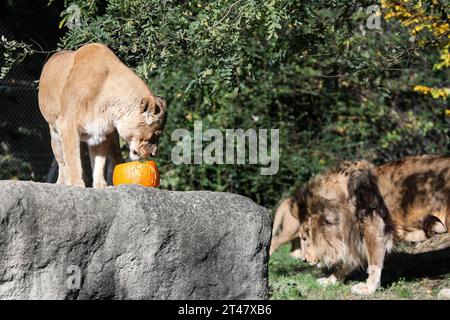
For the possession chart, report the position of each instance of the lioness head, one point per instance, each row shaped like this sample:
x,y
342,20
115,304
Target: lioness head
x,y
143,127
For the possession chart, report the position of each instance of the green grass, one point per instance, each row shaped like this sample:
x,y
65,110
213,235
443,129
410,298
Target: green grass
x,y
405,276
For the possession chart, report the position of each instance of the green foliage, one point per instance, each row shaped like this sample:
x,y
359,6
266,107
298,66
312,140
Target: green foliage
x,y
309,68
11,52
12,167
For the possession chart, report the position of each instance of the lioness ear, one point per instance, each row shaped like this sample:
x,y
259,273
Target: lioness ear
x,y
147,104
155,105
365,194
160,105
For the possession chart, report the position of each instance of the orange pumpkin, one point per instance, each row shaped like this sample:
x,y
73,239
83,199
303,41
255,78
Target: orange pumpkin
x,y
143,173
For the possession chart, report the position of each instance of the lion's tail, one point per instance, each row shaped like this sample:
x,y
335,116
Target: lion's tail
x,y
282,209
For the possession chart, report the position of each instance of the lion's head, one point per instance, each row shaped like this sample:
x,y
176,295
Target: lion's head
x,y
323,228
331,210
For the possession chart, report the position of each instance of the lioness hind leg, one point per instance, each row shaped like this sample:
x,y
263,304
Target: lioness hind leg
x,y
433,225
98,155
445,218
289,230
58,153
279,240
287,234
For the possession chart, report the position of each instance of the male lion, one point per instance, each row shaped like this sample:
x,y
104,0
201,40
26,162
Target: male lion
x,y
90,95
353,215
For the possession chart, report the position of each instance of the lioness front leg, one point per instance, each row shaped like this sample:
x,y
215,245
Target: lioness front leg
x,y
98,155
70,141
375,244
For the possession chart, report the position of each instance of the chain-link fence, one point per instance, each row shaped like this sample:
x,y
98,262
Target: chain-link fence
x,y
25,151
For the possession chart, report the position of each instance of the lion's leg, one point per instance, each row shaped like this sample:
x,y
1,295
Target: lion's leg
x,y
57,151
296,251
338,275
70,139
374,242
98,156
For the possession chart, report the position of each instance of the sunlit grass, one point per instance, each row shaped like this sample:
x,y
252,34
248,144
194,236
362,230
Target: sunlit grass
x,y
291,279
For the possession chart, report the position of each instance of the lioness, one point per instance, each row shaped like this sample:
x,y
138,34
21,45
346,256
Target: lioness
x,y
89,95
355,214
285,229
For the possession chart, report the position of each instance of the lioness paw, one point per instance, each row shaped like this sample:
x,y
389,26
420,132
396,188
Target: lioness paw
x,y
327,281
99,184
77,183
362,289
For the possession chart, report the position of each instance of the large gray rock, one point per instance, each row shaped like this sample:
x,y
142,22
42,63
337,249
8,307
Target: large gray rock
x,y
130,242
